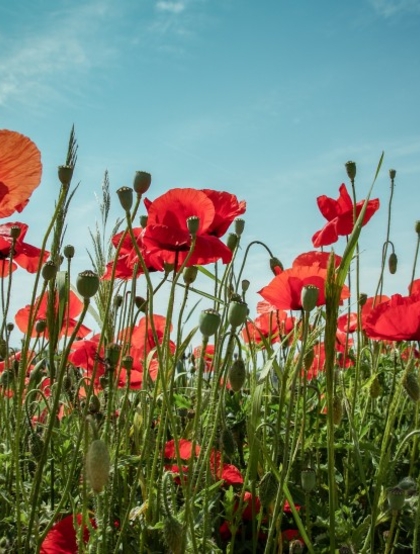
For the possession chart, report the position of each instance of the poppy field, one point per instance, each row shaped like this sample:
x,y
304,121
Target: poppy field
x,y
198,428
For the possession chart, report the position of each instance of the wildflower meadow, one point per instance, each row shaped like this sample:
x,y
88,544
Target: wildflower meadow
x,y
194,428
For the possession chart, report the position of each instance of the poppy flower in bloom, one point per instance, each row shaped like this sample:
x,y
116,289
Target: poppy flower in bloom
x,y
284,291
339,214
397,319
167,236
368,306
20,171
62,538
316,257
128,258
74,309
347,323
25,255
185,449
207,357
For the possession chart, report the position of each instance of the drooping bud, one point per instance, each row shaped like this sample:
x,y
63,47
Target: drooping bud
x,y
142,181
49,270
237,313
276,266
10,326
245,285
209,322
309,297
417,227
351,170
392,173
125,195
140,303
68,251
308,479
190,274
237,375
239,226
392,263
396,498
193,224
362,299
87,283
232,241
65,174
143,221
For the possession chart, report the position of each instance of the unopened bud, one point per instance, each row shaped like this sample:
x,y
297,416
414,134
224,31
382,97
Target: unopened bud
x,y
237,313
417,227
190,274
245,285
239,226
276,266
362,298
392,263
309,297
143,221
232,241
351,170
392,173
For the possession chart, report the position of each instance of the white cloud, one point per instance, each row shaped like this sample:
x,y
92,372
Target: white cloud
x,y
172,7
389,8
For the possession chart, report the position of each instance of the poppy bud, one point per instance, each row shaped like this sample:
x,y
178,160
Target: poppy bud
x,y
337,410
239,226
65,174
237,313
392,263
308,479
375,388
362,298
143,221
112,354
227,442
309,297
268,489
15,231
417,227
141,182
172,533
392,173
245,285
127,362
117,301
351,170
209,322
49,271
40,326
237,375
410,382
193,224
7,378
190,274
94,404
36,446
140,303
87,283
69,251
10,326
396,498
98,464
232,241
125,195
276,266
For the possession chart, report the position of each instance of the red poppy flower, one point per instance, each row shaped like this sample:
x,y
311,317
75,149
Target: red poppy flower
x,y
167,237
128,259
20,171
208,356
185,449
143,337
74,309
347,323
415,287
397,319
339,214
370,303
62,538
25,255
284,291
316,257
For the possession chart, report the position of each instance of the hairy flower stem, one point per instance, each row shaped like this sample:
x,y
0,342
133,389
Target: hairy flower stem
x,y
246,255
379,288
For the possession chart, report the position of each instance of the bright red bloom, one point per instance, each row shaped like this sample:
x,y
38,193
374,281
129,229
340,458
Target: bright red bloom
x,y
415,287
316,257
347,323
367,307
185,449
74,309
167,237
396,320
339,214
269,326
208,356
62,538
284,291
25,255
20,171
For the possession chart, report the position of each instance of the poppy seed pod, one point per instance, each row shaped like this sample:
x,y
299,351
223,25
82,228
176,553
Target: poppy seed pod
x,y
362,298
65,174
392,263
237,375
10,326
232,241
308,479
237,313
276,266
239,226
417,227
392,173
209,322
127,362
87,283
15,231
351,170
49,271
140,303
193,224
309,297
142,181
68,251
112,353
190,274
125,196
143,221
245,285
396,498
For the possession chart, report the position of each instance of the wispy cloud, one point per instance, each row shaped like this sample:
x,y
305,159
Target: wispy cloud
x,y
51,54
389,8
172,7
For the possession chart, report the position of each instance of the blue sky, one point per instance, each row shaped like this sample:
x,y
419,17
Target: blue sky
x,y
264,99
